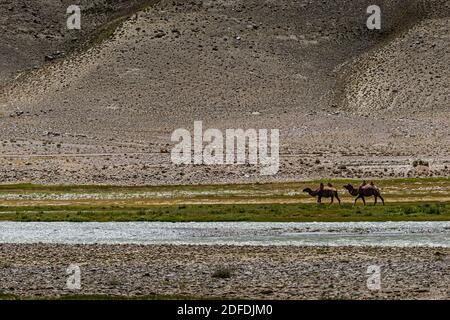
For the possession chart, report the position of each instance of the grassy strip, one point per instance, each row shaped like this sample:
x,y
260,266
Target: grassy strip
x,y
419,200
232,212
106,31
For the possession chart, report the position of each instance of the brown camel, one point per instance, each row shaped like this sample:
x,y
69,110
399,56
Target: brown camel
x,y
365,190
323,192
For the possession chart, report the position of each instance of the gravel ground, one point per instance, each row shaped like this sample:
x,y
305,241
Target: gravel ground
x,y
256,272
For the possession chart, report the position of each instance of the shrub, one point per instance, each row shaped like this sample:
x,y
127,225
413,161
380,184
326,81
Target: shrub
x,y
419,162
408,210
434,209
222,273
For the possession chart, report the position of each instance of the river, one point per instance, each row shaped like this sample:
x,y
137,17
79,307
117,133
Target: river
x,y
398,234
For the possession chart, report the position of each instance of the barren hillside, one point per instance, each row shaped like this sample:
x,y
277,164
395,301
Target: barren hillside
x,y
349,102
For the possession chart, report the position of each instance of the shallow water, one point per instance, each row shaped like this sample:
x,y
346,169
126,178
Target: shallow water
x,y
436,234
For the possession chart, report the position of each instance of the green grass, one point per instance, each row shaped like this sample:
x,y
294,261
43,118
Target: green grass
x,y
233,212
406,199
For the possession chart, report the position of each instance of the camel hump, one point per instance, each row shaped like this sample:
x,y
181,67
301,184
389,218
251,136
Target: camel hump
x,y
370,185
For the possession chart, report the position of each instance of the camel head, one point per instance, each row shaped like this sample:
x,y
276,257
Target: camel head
x,y
349,187
307,190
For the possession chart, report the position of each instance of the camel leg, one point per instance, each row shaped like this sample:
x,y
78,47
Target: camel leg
x,y
319,199
332,200
382,200
337,197
375,202
363,199
356,200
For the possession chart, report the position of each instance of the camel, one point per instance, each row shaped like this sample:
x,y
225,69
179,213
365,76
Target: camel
x,y
323,192
365,190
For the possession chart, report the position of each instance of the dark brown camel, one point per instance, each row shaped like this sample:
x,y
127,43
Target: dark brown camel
x,y
323,192
365,190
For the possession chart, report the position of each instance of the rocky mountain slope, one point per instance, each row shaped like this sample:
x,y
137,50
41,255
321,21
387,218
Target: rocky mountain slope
x,y
349,102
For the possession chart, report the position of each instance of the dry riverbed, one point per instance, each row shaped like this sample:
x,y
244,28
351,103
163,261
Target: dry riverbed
x,y
39,270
